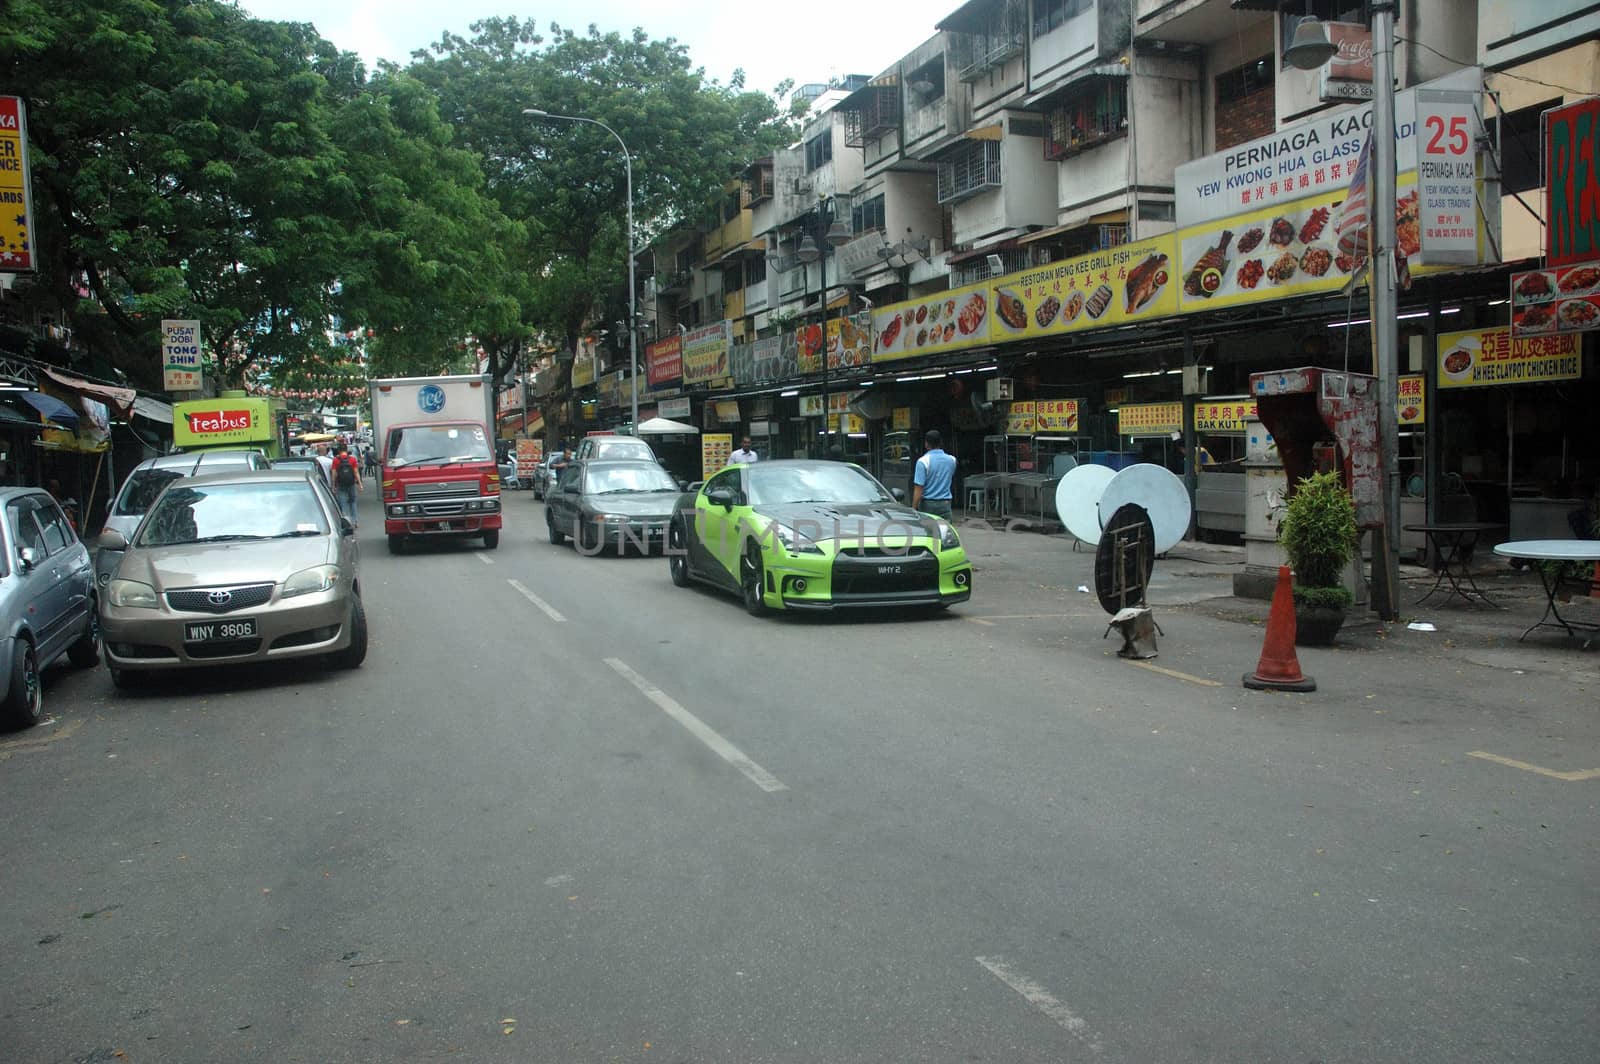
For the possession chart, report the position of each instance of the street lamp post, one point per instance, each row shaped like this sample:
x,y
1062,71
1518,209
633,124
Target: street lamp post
x,y
820,227
633,293
1309,51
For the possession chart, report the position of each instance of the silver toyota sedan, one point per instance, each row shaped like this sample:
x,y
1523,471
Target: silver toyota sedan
x,y
235,567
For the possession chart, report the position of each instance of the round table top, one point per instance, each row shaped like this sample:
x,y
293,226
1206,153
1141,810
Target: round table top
x,y
1552,550
1455,526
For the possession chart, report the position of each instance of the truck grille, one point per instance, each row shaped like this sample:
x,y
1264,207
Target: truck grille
x,y
219,599
443,489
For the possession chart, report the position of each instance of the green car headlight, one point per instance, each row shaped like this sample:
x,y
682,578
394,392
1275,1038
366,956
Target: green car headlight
x,y
948,540
132,594
794,542
310,581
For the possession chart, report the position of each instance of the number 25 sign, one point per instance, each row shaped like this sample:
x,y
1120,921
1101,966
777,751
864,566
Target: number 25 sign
x,y
1448,128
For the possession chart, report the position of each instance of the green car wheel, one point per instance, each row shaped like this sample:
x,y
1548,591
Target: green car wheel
x,y
752,576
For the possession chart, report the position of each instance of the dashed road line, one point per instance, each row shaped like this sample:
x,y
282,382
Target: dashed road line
x,y
549,610
1511,762
1043,1000
482,557
1175,674
699,729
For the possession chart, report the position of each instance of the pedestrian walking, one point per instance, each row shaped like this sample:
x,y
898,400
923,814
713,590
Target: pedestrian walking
x,y
346,483
325,462
745,454
934,476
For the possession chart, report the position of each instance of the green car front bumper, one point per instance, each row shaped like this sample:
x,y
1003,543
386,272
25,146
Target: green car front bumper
x,y
850,577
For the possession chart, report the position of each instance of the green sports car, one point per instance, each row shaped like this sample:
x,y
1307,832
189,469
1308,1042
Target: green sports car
x,y
813,535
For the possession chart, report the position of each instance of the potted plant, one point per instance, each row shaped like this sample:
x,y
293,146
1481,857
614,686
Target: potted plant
x,y
1318,533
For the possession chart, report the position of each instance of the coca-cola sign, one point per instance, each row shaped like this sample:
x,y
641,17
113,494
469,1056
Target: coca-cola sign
x,y
208,422
1354,61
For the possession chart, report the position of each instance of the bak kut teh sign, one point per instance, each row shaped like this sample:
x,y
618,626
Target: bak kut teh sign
x,y
1572,187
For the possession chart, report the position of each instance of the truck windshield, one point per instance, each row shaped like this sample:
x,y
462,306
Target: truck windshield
x,y
419,444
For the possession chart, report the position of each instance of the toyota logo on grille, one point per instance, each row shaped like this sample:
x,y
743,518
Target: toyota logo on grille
x,y
219,598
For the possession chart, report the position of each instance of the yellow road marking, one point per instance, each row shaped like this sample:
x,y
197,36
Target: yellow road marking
x,y
32,743
1511,762
1175,674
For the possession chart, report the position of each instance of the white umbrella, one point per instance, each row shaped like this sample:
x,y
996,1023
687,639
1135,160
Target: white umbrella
x,y
660,426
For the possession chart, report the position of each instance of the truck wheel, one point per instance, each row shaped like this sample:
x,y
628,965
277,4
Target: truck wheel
x,y
397,543
491,538
557,537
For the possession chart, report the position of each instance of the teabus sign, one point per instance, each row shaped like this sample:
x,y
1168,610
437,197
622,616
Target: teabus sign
x,y
211,422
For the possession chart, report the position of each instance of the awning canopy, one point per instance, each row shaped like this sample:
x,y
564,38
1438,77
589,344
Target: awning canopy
x,y
660,426
1070,84
153,410
120,400
51,408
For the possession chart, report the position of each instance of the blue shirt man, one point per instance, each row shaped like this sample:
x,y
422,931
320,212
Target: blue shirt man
x,y
935,473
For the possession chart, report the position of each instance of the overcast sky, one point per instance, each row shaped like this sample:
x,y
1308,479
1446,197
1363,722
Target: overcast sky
x,y
772,41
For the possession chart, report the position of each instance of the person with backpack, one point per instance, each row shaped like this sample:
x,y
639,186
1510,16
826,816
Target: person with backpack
x,y
346,483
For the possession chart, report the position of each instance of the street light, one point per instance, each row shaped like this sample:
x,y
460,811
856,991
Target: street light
x,y
633,295
821,226
1309,51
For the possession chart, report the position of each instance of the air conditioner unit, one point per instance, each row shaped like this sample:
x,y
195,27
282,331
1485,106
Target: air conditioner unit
x,y
1000,390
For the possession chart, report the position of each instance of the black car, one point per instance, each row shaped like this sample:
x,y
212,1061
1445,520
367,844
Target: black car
x,y
620,504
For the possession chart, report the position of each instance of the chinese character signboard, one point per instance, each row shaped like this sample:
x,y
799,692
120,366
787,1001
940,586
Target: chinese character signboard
x,y
1149,419
811,405
180,355
1482,357
664,361
1019,418
16,205
583,369
848,345
1056,415
1127,283
1572,183
715,450
1411,410
673,409
1556,301
900,419
1448,130
954,320
1223,415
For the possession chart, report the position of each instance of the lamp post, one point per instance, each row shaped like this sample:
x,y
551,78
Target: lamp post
x,y
821,226
633,293
1311,49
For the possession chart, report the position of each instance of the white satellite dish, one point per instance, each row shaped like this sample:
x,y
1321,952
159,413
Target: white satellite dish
x,y
1159,491
1078,501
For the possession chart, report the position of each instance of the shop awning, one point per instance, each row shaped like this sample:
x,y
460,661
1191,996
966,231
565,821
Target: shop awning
x,y
988,249
989,132
152,410
51,408
120,400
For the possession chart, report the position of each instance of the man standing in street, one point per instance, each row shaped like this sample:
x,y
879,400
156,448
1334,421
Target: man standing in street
x,y
935,473
346,483
745,454
325,462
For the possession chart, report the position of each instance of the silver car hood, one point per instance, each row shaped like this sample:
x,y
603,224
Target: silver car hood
x,y
226,564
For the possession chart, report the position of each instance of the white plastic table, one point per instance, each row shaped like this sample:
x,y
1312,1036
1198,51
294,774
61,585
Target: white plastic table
x,y
1555,550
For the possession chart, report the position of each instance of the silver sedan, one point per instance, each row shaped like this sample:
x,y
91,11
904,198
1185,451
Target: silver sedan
x,y
232,568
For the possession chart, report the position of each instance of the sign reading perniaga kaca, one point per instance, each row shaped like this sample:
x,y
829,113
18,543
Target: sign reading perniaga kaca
x,y
1448,131
1572,182
217,422
16,203
180,355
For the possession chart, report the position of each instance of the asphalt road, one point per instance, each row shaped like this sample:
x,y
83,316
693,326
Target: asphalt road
x,y
568,812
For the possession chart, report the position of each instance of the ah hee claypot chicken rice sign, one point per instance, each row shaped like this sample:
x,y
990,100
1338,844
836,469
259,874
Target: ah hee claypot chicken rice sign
x,y
1483,357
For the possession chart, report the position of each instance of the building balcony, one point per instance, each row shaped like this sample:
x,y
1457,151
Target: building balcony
x,y
972,168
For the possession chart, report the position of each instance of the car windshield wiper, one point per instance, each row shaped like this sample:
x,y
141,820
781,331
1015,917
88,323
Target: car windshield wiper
x,y
418,461
298,532
230,537
468,458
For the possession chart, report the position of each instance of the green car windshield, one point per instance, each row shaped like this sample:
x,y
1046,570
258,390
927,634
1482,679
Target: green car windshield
x,y
219,513
835,482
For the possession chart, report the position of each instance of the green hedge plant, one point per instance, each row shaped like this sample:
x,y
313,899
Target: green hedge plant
x,y
1318,533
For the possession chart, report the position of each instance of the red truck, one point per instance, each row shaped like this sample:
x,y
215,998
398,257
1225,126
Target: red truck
x,y
435,444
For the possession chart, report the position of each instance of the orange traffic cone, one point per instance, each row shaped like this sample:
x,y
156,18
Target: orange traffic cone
x,y
1279,669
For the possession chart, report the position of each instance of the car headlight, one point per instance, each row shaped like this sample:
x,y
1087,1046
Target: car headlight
x,y
132,594
948,540
794,542
606,519
310,581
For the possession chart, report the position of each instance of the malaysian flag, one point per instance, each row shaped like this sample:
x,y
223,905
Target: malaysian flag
x,y
1353,217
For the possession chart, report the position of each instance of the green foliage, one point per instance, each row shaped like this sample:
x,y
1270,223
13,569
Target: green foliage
x,y
1318,531
1336,598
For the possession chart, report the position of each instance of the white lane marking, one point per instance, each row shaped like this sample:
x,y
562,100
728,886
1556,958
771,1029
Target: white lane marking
x,y
484,558
1043,1000
699,729
549,610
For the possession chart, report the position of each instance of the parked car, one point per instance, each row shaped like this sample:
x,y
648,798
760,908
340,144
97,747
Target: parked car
x,y
612,448
612,504
812,535
306,463
542,475
47,600
508,474
146,482
231,568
